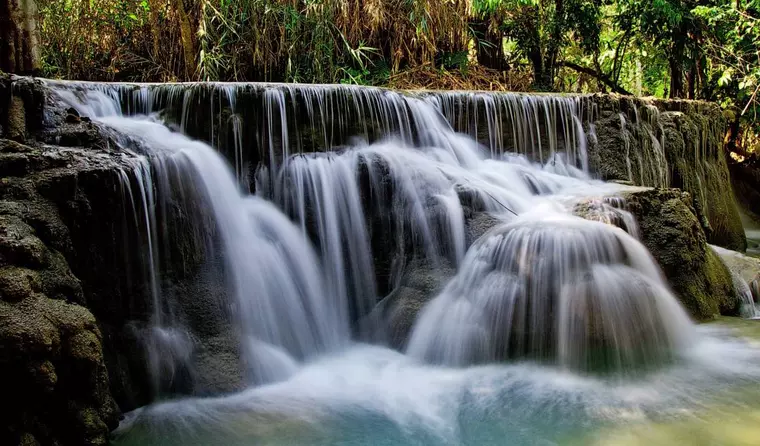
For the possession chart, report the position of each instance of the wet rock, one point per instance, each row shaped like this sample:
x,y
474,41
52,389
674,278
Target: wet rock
x,y
17,283
672,233
51,358
72,116
745,267
19,245
16,127
479,224
669,143
422,281
218,368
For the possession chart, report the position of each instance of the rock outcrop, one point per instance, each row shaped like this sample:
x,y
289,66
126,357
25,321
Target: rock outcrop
x,y
53,374
669,143
670,229
75,299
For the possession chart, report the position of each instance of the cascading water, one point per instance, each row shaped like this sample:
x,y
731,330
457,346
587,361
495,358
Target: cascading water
x,y
558,288
302,259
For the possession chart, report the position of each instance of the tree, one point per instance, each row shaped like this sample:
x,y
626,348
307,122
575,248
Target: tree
x,y
542,29
19,38
671,27
732,46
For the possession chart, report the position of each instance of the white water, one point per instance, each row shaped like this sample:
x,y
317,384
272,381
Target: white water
x,y
542,287
558,288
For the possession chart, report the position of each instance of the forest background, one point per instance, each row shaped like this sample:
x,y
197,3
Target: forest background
x,y
695,49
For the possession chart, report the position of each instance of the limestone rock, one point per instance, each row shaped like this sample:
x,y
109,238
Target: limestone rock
x,y
669,143
672,233
421,283
18,283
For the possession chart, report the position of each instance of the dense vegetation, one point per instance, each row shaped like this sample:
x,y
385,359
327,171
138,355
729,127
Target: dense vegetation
x,y
698,49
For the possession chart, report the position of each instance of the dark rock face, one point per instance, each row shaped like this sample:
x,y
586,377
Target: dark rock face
x,y
53,374
745,177
423,280
671,231
74,296
670,143
60,214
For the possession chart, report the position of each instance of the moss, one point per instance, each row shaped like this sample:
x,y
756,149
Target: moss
x,y
19,245
27,439
24,331
690,158
43,374
69,318
58,282
93,430
84,347
18,283
672,233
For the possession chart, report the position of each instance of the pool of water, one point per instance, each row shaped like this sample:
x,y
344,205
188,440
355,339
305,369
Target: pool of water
x,y
371,395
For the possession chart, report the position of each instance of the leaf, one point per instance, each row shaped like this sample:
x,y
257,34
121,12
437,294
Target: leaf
x,y
725,77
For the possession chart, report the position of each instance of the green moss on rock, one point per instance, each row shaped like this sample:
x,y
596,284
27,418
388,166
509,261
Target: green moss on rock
x,y
670,143
18,283
19,245
671,231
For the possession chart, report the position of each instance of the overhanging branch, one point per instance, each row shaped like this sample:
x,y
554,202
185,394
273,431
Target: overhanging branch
x,y
600,76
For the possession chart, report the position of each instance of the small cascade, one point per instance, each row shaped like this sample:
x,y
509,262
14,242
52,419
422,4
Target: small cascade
x,y
744,273
537,126
283,309
744,291
168,346
274,277
556,288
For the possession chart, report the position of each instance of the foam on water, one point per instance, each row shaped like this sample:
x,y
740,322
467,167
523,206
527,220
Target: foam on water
x,y
372,395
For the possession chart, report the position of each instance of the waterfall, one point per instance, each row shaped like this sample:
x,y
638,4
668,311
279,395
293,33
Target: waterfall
x,y
558,288
284,119
334,222
323,212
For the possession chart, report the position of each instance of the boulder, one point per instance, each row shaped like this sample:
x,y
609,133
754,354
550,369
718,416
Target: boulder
x,y
421,281
745,267
670,229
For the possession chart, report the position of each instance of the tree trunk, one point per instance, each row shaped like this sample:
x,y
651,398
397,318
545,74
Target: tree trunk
x,y
676,77
490,50
732,141
543,78
155,28
19,39
188,42
692,82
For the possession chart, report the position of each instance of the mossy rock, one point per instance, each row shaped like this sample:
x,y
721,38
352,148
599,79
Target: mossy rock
x,y
18,283
671,231
19,245
669,143
26,332
52,372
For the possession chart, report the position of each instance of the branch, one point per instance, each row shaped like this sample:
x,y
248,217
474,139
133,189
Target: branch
x,y
600,76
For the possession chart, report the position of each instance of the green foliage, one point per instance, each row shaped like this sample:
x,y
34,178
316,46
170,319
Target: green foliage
x,y
701,49
542,30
